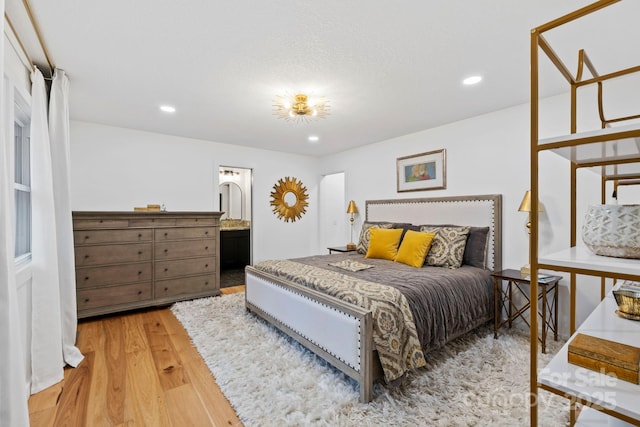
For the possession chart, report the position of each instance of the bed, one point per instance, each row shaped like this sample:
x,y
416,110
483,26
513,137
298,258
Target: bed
x,y
381,320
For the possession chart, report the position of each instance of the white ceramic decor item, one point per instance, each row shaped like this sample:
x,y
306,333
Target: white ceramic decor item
x,y
613,230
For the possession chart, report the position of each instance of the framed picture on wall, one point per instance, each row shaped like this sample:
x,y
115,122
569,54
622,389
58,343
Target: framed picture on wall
x,y
424,171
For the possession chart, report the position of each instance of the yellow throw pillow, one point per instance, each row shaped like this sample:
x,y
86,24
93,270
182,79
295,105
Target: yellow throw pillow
x,y
414,248
383,243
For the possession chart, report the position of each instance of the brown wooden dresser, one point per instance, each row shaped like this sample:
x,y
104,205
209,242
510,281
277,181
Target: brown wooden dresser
x,y
127,260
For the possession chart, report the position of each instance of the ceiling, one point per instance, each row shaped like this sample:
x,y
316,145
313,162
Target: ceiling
x,y
387,68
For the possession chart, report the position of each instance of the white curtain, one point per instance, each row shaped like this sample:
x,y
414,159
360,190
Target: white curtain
x,y
13,399
61,160
47,361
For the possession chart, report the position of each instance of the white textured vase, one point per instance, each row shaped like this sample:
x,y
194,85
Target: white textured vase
x,y
613,230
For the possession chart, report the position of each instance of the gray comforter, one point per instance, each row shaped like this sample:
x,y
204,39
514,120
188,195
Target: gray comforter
x,y
445,303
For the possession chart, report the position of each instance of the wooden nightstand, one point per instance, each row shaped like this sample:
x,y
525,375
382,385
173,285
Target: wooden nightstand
x,y
339,249
504,298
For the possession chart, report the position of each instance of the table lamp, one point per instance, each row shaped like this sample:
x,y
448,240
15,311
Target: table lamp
x,y
525,206
352,209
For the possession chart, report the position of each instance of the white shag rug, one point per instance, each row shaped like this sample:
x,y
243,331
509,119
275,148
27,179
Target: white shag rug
x,y
270,380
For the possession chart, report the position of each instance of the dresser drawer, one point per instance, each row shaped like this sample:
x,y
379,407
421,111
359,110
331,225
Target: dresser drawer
x,y
113,274
112,254
100,223
84,237
185,249
185,233
113,295
152,222
185,286
177,268
197,221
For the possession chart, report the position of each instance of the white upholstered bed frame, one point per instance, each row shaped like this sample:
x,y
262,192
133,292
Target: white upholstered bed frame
x,y
342,333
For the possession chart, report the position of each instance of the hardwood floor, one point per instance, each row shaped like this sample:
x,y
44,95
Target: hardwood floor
x,y
140,368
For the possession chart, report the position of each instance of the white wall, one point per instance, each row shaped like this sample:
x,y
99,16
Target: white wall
x,y
117,169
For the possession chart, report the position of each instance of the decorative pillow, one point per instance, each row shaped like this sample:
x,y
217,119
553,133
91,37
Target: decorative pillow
x,y
414,248
363,243
447,248
475,252
384,243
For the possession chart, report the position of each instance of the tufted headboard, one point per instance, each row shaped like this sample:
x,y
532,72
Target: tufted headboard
x,y
476,211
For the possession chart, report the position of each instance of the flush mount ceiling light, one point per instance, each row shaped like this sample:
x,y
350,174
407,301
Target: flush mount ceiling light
x,y
300,107
168,108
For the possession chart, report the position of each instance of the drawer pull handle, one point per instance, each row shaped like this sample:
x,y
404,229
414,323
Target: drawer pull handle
x,y
166,269
139,292
166,250
206,248
206,283
206,232
166,234
139,252
166,289
86,300
139,235
86,256
86,237
139,273
86,278
206,265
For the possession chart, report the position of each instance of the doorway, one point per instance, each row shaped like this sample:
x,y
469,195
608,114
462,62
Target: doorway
x,y
332,211
235,201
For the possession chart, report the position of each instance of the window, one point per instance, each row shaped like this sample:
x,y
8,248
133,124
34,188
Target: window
x,y
22,180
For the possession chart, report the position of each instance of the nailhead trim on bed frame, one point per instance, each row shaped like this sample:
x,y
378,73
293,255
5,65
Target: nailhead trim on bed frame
x,y
357,365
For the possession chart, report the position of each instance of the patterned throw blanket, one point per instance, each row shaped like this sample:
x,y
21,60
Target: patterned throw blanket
x,y
394,331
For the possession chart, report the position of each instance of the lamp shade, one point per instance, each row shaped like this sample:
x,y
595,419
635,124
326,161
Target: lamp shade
x,y
525,205
352,208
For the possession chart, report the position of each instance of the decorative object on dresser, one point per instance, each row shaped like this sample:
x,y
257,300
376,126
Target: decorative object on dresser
x,y
127,260
613,230
525,206
424,171
352,209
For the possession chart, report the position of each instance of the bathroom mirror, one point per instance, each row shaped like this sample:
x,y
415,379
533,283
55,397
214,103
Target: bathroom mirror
x,y
231,200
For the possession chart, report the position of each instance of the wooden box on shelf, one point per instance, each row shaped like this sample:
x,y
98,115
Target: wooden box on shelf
x,y
608,357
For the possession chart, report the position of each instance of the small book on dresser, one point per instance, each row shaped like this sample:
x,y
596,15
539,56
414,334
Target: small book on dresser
x,y
604,356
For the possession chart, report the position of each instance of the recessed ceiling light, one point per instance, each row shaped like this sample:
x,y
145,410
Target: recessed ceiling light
x,y
472,80
314,138
168,108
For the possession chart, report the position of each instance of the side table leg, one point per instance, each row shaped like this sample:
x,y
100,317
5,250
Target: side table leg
x,y
496,308
544,318
510,304
555,313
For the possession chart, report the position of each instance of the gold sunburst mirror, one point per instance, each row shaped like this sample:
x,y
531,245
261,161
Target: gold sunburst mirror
x,y
289,199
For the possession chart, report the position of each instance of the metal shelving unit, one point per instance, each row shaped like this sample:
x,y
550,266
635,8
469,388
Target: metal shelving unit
x,y
614,153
